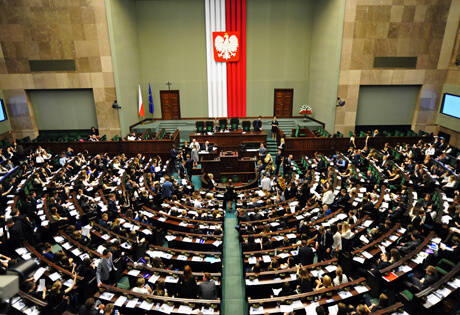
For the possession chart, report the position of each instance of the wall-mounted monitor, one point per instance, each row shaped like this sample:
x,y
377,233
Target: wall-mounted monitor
x,y
3,115
451,105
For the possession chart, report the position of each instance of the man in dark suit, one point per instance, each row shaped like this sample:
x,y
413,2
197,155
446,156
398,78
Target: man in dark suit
x,y
112,207
89,308
105,269
324,242
306,254
167,188
398,212
189,166
370,180
381,264
258,124
257,216
287,166
262,152
411,245
173,158
207,289
343,199
14,237
430,278
207,147
182,170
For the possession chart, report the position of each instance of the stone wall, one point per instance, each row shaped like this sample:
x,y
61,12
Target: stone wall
x,y
397,28
55,29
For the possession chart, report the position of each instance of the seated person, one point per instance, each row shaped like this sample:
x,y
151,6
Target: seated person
x,y
47,252
161,290
412,244
142,287
430,278
303,280
324,283
340,277
207,289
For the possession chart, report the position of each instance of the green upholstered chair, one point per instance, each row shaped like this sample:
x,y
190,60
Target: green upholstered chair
x,y
223,123
246,125
123,283
209,126
234,123
199,126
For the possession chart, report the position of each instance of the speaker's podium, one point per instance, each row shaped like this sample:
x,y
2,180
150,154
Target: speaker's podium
x,y
228,164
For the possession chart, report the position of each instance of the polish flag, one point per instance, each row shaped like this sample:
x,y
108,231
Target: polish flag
x,y
141,104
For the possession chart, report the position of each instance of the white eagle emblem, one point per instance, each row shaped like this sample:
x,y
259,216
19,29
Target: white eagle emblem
x,y
226,46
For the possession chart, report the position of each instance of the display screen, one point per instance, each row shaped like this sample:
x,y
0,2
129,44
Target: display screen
x,y
2,111
451,105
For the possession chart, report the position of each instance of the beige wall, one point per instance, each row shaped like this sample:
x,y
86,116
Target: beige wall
x,y
396,28
42,30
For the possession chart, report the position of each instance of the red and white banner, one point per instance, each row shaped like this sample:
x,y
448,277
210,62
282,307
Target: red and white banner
x,y
141,104
225,42
226,46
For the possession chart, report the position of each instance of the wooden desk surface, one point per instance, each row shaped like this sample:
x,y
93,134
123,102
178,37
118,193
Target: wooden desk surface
x,y
230,140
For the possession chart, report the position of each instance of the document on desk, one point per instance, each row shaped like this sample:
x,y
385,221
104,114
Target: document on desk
x,y
184,309
154,278
431,300
171,279
134,272
276,292
146,306
120,301
366,254
252,282
331,268
443,292
361,289
455,283
107,296
333,310
344,294
359,259
311,309
286,308
54,276
205,310
252,260
39,273
132,303
257,310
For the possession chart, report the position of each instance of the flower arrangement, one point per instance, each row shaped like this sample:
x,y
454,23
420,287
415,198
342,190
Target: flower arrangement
x,y
305,110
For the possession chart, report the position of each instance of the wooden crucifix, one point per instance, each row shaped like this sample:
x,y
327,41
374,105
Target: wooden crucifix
x,y
169,85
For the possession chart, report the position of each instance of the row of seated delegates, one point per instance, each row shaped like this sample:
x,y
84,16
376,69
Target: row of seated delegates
x,y
60,259
187,284
361,309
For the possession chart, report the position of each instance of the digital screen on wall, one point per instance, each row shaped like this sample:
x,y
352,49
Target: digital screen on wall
x,y
451,105
2,111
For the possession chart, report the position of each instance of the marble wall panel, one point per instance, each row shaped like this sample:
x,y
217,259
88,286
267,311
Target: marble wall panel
x,y
55,29
398,28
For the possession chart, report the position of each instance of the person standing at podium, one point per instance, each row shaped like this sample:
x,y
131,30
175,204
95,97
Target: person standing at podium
x,y
258,124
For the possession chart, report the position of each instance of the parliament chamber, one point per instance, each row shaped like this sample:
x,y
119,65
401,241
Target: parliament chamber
x,y
230,157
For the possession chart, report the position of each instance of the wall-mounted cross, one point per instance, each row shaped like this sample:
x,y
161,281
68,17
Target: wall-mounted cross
x,y
169,85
